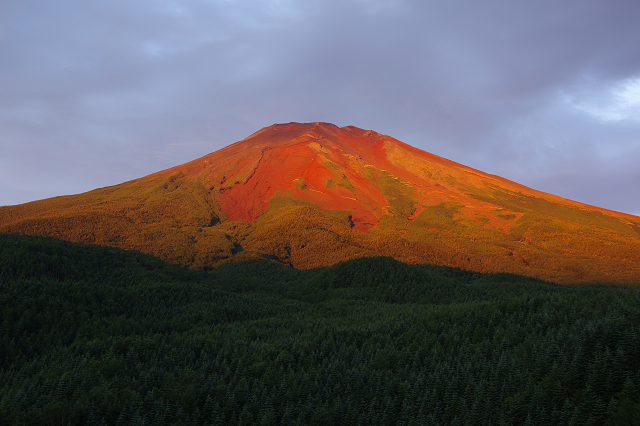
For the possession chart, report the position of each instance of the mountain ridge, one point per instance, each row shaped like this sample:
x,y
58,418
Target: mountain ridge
x,y
313,194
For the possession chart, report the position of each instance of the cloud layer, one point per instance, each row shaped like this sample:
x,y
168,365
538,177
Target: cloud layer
x,y
543,93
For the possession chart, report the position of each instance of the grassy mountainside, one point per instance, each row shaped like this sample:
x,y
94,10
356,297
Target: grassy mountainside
x,y
94,335
313,194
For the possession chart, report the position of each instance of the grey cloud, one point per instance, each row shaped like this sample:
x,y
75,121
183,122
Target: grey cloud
x,y
134,87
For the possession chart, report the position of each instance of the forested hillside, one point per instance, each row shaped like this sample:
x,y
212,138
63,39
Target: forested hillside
x,y
98,336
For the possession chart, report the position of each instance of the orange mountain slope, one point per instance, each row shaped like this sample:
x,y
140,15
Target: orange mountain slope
x,y
314,194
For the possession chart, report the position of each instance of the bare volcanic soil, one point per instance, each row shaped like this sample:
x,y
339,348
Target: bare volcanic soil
x,y
313,194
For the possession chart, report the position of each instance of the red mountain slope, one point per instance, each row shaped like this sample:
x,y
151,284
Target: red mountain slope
x,y
313,194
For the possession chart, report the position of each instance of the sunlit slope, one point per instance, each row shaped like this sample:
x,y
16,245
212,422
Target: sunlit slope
x,y
314,194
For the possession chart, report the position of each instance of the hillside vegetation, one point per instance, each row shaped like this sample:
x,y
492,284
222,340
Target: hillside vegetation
x,y
99,336
548,241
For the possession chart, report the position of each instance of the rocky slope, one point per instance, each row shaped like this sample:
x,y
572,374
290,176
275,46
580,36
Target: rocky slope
x,y
314,194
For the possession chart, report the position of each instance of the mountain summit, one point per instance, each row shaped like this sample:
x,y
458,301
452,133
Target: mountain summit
x,y
314,194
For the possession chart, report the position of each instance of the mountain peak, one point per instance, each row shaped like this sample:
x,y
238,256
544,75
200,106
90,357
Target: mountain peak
x,y
311,194
316,162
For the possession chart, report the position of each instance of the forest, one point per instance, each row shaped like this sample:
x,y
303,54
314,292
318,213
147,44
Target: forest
x,y
100,336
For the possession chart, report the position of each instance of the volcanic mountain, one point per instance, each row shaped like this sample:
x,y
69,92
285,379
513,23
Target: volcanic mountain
x,y
315,194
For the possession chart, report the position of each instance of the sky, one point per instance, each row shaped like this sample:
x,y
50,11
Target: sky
x,y
545,93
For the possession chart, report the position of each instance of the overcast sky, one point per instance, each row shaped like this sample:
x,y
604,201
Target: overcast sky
x,y
545,93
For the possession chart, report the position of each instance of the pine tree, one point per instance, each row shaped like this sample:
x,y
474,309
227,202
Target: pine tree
x,y
566,412
93,417
245,417
287,417
599,410
125,414
207,409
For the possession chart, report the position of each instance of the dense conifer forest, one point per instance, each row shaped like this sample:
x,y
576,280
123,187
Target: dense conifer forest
x,y
99,336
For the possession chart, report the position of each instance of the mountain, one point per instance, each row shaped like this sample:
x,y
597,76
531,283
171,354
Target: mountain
x,y
315,194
